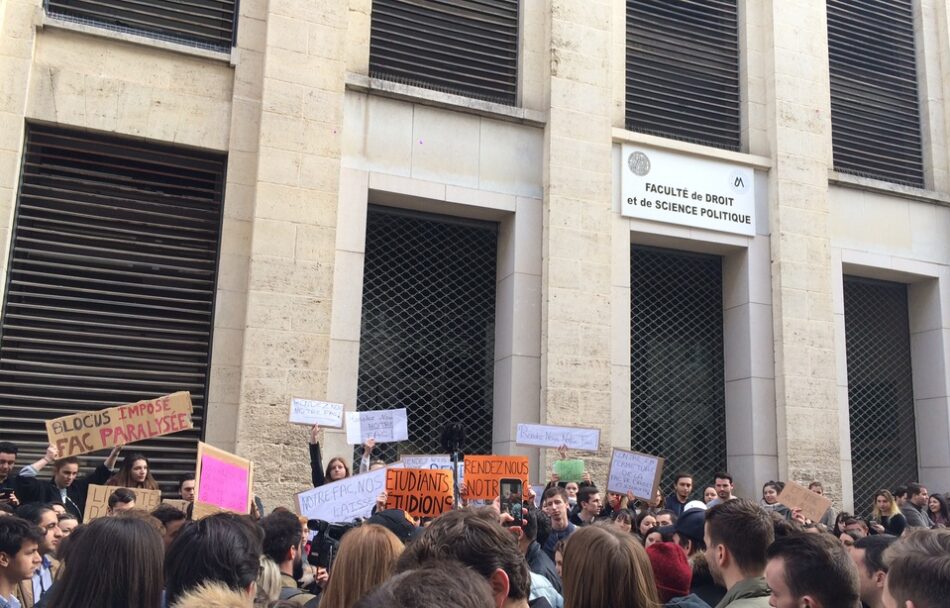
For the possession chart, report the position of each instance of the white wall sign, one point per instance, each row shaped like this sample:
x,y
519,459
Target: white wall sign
x,y
681,189
382,425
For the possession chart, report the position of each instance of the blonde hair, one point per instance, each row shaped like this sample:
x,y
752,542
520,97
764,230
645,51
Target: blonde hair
x,y
268,582
366,559
607,569
892,510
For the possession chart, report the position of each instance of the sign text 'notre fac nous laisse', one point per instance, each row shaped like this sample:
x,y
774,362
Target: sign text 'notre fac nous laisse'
x,y
681,189
86,432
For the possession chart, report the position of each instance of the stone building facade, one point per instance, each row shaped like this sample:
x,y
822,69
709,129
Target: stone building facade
x,y
316,142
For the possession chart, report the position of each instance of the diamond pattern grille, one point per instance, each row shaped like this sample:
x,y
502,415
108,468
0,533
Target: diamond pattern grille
x,y
677,374
880,387
428,326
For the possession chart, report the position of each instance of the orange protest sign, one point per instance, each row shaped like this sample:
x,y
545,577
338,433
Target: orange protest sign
x,y
482,474
419,492
86,432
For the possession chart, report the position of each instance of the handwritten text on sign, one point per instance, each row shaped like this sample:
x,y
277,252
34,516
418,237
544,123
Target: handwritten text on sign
x,y
432,461
555,436
634,472
383,426
97,500
86,432
482,474
308,411
419,492
343,500
813,505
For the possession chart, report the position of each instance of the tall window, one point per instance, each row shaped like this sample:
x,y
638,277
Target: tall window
x,y
683,70
465,47
875,113
110,291
428,326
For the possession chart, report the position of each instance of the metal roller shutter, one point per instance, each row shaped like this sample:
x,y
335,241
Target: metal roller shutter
x,y
205,23
683,70
465,47
110,291
875,113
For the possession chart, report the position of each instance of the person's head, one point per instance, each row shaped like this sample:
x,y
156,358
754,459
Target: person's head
x,y
572,489
554,504
691,530
376,464
65,471
849,538
709,494
900,495
268,582
186,487
665,517
67,523
123,499
645,522
559,556
884,504
918,570
19,549
476,539
283,543
366,559
8,452
917,494
724,485
135,472
615,500
671,570
126,571
605,568
683,485
811,570
443,584
223,547
868,557
337,469
856,525
622,520
44,517
590,501
173,520
737,534
653,536
817,488
771,490
937,505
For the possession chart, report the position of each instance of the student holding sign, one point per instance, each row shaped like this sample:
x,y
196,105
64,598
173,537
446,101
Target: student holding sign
x,y
134,472
336,468
67,488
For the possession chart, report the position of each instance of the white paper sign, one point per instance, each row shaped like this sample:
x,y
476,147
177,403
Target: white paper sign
x,y
555,436
634,472
343,500
432,461
384,426
310,412
676,188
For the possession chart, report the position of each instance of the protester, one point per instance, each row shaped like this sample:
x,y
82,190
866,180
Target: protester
x,y
572,488
134,472
9,483
123,499
709,495
689,534
737,535
44,517
682,488
440,585
538,561
623,521
66,487
918,570
646,521
589,505
172,519
186,487
554,504
19,556
283,544
337,468
213,595
607,569
915,507
126,571
269,582
67,523
724,488
811,570
673,576
770,492
938,511
827,520
886,516
868,556
366,559
665,517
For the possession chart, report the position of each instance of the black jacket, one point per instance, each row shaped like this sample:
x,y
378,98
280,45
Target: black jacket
x,y
36,490
540,563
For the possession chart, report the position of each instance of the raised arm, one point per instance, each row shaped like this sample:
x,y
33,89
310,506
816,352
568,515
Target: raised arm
x,y
316,460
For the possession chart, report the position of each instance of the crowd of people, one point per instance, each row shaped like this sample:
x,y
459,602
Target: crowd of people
x,y
578,547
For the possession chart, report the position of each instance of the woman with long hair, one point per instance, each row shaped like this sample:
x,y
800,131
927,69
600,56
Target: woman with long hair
x,y
134,472
886,517
336,468
770,492
366,559
939,513
126,571
607,569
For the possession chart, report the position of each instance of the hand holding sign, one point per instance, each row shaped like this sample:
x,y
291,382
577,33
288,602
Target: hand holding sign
x,y
634,472
381,425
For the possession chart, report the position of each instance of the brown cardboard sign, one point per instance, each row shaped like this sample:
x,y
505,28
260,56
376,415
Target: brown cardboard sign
x,y
222,482
97,501
813,505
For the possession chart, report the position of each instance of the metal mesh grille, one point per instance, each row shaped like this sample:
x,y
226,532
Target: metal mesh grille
x,y
677,371
465,47
110,291
880,387
875,114
428,327
683,70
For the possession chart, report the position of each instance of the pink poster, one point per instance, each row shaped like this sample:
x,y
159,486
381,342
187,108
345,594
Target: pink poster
x,y
223,484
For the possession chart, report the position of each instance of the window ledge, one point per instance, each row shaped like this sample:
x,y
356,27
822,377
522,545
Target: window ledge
x,y
624,136
846,180
405,92
53,21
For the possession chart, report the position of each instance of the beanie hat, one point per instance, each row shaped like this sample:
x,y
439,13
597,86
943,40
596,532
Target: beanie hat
x,y
670,569
691,524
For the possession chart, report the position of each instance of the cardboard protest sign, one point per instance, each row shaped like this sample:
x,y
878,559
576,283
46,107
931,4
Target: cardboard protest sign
x,y
382,425
178,503
548,436
343,500
419,492
813,505
86,432
569,470
634,472
482,474
97,501
310,412
222,482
